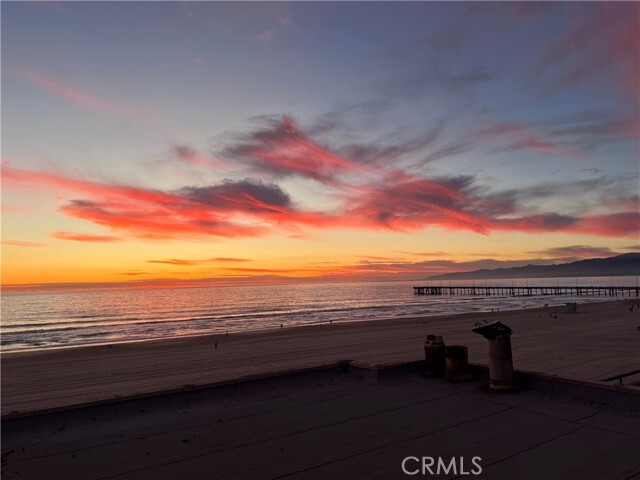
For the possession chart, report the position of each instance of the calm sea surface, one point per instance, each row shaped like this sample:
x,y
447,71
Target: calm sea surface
x,y
34,320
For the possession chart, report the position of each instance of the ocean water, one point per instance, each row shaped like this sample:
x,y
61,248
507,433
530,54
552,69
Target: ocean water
x,y
36,320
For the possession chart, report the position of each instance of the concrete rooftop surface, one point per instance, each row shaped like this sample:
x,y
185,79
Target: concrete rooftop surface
x,y
339,423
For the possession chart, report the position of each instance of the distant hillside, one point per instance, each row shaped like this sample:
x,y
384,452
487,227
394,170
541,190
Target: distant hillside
x,y
622,265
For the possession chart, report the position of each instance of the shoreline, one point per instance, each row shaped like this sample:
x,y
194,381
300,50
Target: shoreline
x,y
580,346
268,330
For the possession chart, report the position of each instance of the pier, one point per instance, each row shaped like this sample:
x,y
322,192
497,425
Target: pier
x,y
528,291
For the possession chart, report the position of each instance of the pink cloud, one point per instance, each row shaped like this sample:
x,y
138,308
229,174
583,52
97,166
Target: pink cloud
x,y
620,224
77,96
190,155
150,221
85,237
602,40
248,208
279,147
13,177
267,36
406,203
522,137
229,209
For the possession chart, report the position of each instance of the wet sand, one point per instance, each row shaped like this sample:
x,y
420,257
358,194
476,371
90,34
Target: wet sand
x,y
599,341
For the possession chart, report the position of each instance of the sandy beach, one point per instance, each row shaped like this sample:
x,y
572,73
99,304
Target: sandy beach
x,y
599,341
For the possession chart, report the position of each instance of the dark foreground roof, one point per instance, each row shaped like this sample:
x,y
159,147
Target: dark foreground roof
x,y
335,424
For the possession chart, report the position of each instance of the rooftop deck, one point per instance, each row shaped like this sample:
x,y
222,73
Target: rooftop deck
x,y
335,424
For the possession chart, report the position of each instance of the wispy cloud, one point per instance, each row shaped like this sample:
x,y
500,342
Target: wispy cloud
x,y
421,76
385,153
408,203
257,270
181,262
347,116
194,157
185,262
85,237
620,224
21,243
232,260
79,97
427,254
589,133
384,269
268,36
405,203
134,274
601,40
519,136
280,148
569,137
450,149
398,202
576,251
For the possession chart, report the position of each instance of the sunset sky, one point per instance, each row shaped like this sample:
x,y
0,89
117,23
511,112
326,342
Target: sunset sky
x,y
251,142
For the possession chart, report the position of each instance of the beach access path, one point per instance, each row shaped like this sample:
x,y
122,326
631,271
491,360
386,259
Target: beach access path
x,y
599,341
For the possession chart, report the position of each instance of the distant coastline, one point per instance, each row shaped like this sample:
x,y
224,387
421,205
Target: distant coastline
x,y
627,264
